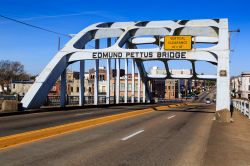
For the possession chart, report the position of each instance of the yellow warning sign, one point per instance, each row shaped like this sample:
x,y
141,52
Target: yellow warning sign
x,y
178,42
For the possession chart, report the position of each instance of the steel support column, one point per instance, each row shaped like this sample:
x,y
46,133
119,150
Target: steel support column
x,y
142,72
82,88
96,81
126,82
63,89
223,89
144,93
139,88
108,75
117,91
133,82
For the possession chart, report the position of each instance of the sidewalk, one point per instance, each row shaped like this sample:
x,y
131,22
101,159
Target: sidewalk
x,y
229,143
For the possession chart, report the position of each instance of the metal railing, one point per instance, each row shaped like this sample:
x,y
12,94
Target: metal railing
x,y
88,100
242,106
73,100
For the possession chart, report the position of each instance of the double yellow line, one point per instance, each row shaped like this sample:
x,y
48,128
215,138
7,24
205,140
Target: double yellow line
x,y
31,136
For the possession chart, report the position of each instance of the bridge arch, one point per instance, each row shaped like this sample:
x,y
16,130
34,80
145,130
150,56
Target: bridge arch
x,y
210,41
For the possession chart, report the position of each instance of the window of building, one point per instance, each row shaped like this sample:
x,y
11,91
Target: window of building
x,y
14,86
72,89
101,78
122,87
249,87
136,87
89,89
129,87
103,89
77,89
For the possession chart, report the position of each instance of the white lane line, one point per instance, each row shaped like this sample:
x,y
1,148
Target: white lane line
x,y
132,135
88,113
171,116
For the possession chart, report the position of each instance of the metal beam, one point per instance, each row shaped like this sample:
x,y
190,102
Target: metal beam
x,y
126,82
82,88
96,81
133,82
216,31
143,93
108,75
63,89
117,91
139,87
142,72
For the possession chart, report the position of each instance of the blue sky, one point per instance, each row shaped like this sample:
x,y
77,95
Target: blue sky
x,y
34,48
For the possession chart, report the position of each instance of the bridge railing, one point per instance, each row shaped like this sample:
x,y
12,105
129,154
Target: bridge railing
x,y
88,100
242,106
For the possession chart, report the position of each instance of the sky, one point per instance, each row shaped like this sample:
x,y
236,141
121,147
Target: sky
x,y
35,48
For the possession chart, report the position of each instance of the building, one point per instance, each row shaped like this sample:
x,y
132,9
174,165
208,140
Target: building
x,y
103,83
73,83
240,86
175,88
20,87
185,86
163,88
122,86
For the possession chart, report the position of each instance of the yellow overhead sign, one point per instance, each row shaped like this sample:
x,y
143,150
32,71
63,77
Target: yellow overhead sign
x,y
178,42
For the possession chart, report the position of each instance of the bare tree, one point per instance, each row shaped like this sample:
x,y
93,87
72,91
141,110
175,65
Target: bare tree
x,y
11,70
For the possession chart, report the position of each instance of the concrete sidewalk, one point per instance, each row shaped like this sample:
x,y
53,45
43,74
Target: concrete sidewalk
x,y
229,143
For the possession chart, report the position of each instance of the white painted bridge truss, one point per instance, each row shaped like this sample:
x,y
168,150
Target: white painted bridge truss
x,y
211,34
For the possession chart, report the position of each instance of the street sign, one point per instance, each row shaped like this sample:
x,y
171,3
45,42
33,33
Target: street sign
x,y
178,42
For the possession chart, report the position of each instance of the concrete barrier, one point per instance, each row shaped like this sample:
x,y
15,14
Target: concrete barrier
x,y
9,106
223,115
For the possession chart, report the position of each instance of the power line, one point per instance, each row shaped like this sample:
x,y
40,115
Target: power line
x,y
34,26
37,27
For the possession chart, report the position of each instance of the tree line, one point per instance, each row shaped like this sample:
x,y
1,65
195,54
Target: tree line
x,y
11,71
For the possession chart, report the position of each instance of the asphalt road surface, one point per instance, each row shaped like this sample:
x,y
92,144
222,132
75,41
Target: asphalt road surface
x,y
34,121
177,136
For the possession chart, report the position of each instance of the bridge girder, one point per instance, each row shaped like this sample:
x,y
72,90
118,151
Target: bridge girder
x,y
129,37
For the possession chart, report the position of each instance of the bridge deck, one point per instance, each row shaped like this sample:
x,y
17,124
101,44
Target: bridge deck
x,y
184,135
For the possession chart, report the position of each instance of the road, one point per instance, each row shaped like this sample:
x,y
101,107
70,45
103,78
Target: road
x,y
34,121
177,136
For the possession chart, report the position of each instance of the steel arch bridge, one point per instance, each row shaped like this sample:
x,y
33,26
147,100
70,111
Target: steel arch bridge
x,y
129,37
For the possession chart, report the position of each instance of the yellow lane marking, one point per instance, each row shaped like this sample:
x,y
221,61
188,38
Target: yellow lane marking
x,y
31,136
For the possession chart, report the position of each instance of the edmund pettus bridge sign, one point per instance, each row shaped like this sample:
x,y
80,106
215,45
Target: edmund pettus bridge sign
x,y
190,40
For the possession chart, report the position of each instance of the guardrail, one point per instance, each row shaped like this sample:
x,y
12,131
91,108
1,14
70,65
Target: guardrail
x,y
242,106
